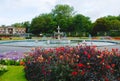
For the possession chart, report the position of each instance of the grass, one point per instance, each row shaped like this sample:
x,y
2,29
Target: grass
x,y
14,73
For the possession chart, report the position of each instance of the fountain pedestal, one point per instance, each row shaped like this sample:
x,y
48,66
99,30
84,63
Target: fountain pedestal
x,y
58,40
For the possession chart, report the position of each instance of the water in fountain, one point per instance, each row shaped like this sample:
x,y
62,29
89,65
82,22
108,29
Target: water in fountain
x,y
59,39
88,42
44,37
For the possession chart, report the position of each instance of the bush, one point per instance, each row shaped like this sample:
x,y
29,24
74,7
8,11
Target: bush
x,y
28,37
3,69
9,62
73,64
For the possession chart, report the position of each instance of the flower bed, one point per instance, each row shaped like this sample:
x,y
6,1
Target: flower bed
x,y
11,58
73,64
117,38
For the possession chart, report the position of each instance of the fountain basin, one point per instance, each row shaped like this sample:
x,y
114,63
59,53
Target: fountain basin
x,y
100,42
42,43
56,43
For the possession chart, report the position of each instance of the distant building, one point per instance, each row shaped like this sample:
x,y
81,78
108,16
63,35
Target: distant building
x,y
12,30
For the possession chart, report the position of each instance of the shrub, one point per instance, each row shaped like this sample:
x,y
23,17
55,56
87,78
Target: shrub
x,y
28,37
73,64
9,62
3,69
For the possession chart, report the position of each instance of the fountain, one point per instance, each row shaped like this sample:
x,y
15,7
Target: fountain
x,y
59,39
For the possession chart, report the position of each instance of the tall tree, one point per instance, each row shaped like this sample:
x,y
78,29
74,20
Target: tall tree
x,y
42,24
100,25
27,24
115,25
82,23
63,16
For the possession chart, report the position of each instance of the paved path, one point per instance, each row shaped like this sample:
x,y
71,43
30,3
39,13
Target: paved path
x,y
5,49
110,47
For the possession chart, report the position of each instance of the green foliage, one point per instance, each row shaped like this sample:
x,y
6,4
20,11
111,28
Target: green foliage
x,y
64,16
30,37
3,69
81,23
100,25
63,11
107,24
9,62
42,24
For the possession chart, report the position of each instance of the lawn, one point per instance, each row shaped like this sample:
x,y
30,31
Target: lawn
x,y
14,73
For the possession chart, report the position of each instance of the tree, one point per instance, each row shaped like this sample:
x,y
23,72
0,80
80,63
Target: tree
x,y
82,23
18,25
26,24
42,24
63,16
100,25
118,17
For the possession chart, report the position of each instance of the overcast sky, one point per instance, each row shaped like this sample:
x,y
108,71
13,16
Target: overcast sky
x,y
16,11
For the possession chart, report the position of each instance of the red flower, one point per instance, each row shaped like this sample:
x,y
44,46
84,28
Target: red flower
x,y
113,65
85,52
102,61
74,73
116,49
80,65
113,49
89,66
83,72
108,67
106,79
89,56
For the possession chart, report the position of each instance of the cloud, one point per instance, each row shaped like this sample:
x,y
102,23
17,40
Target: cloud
x,y
21,10
94,8
12,11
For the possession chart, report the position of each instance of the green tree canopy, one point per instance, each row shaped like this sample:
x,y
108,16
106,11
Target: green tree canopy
x,y
81,23
63,16
100,25
42,24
